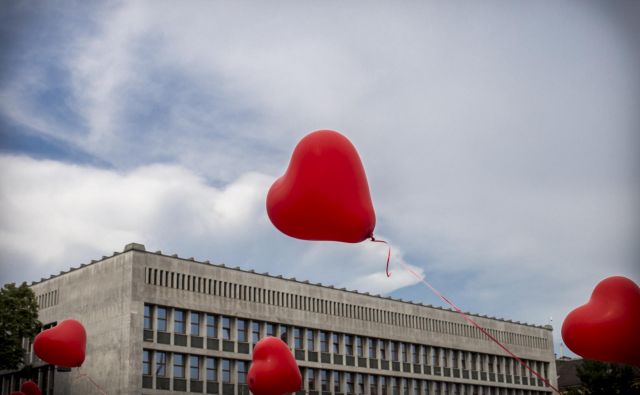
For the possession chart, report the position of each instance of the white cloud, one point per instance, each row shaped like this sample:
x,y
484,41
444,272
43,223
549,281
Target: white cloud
x,y
58,215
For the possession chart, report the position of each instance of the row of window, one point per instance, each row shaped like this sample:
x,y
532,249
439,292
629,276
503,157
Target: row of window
x,y
158,363
227,289
244,330
47,299
228,371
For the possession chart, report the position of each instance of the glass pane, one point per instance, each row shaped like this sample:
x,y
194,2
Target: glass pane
x,y
212,374
162,319
241,329
146,362
179,321
241,367
226,328
194,367
161,364
211,326
195,324
255,332
178,365
147,317
226,371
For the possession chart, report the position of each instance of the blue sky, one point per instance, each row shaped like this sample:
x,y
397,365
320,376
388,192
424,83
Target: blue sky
x,y
500,140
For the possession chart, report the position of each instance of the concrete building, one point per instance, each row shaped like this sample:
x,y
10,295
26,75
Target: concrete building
x,y
158,324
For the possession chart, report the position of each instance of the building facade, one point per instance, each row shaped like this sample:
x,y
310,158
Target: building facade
x,y
158,324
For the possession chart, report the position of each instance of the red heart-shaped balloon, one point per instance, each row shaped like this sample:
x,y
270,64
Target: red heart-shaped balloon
x,y
324,194
607,328
30,388
63,345
273,371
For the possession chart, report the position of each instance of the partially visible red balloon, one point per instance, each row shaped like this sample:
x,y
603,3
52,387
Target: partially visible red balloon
x,y
324,194
607,328
17,393
30,388
273,371
63,345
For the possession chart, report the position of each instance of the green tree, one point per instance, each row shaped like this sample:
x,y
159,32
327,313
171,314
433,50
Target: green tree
x,y
18,320
601,378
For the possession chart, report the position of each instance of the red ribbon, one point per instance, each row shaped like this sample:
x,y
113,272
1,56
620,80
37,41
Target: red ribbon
x,y
81,375
470,320
388,252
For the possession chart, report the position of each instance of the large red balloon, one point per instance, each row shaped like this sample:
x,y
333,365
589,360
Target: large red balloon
x,y
607,328
273,371
324,194
30,388
63,345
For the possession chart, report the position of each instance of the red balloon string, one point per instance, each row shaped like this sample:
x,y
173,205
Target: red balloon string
x,y
81,375
472,322
388,252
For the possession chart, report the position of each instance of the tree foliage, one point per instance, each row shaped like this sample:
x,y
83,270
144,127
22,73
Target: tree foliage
x,y
18,320
601,378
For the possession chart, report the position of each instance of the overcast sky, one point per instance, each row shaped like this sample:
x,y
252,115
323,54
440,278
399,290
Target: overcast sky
x,y
500,139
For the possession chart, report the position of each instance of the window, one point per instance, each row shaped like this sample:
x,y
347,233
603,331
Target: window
x,y
195,324
297,338
324,380
359,348
415,357
284,336
226,328
310,340
373,343
383,385
178,366
270,329
162,318
348,345
311,380
241,330
146,362
405,387
454,358
194,367
336,382
394,351
348,380
335,342
394,386
148,317
445,357
179,321
403,352
491,363
241,368
161,364
226,371
360,383
211,326
324,342
373,384
212,371
383,350
255,331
